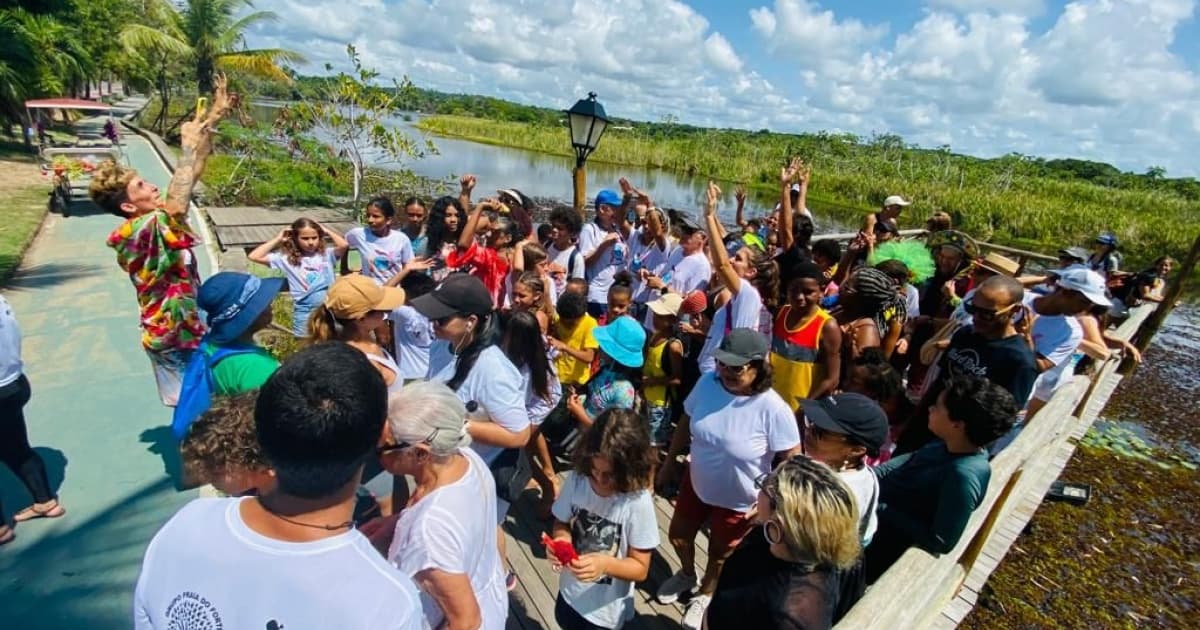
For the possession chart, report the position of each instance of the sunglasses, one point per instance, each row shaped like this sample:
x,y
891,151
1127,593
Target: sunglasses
x,y
443,321
766,483
399,446
735,370
985,314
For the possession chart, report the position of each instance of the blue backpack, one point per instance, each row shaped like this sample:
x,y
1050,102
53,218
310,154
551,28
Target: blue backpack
x,y
195,391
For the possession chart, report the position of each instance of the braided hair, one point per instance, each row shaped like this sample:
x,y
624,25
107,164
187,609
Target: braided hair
x,y
877,296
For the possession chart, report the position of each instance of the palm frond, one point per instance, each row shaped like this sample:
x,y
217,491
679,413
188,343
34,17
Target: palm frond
x,y
139,37
258,65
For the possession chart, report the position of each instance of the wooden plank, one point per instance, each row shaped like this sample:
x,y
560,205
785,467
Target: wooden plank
x,y
246,236
242,215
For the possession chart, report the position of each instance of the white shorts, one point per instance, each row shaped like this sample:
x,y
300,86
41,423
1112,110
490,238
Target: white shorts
x,y
168,368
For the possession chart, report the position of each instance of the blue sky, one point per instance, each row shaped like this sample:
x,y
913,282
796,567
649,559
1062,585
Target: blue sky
x,y
1110,80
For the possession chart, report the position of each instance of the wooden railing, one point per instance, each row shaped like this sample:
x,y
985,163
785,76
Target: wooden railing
x,y
916,589
1022,256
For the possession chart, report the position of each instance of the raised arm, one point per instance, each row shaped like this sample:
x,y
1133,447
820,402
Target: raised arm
x,y
739,217
195,145
786,175
261,253
466,185
716,246
475,222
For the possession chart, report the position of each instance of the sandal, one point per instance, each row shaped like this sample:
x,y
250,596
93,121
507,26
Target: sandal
x,y
6,535
28,514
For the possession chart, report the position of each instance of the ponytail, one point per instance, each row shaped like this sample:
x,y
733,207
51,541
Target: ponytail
x,y
322,325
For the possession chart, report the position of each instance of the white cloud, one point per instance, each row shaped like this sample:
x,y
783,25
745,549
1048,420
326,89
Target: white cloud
x,y
803,28
1018,7
720,54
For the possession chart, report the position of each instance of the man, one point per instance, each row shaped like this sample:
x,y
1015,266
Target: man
x,y
892,207
154,246
1056,329
996,346
290,558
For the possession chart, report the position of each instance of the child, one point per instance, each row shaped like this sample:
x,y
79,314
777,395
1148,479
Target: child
x,y
566,262
529,294
615,385
414,333
523,344
620,297
577,285
221,448
308,267
573,340
826,253
926,497
663,371
490,260
606,512
384,250
806,341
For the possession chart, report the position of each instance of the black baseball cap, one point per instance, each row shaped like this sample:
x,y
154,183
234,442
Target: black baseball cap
x,y
459,294
852,415
685,221
741,346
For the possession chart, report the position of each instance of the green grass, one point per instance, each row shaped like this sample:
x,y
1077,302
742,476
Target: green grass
x,y
997,201
23,210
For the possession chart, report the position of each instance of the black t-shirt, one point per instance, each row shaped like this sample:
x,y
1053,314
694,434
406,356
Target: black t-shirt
x,y
758,590
1008,362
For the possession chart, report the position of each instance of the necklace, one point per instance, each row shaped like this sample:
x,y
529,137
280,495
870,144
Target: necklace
x,y
328,528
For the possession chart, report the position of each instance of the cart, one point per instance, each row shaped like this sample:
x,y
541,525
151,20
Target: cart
x,y
69,167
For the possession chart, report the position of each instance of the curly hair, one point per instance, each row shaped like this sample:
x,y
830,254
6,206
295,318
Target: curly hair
x,y
109,186
623,437
223,439
876,293
435,225
292,245
880,381
986,409
568,218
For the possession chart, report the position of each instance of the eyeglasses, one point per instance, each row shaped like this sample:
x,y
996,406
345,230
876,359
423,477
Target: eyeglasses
x,y
985,314
443,321
820,434
766,483
399,446
736,370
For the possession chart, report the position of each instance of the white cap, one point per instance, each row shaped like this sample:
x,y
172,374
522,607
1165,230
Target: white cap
x,y
1085,281
896,200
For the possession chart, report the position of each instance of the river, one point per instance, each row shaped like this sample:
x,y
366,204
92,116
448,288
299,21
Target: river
x,y
549,176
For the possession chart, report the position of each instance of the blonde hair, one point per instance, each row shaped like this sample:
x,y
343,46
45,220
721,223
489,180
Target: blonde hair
x,y
430,413
110,185
817,513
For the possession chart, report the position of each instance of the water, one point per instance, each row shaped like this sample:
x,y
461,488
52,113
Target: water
x,y
544,175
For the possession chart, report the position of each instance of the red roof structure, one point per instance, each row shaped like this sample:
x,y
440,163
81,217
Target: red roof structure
x,y
66,103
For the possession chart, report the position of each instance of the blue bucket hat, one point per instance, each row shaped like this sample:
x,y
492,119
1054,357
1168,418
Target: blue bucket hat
x,y
232,302
622,339
608,197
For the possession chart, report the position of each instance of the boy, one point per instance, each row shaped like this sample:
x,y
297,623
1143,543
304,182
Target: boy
x,y
222,449
926,497
566,262
806,340
572,339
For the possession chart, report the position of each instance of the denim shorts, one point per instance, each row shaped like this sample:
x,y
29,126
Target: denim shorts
x,y
660,424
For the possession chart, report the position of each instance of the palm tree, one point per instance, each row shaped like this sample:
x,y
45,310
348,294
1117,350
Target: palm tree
x,y
211,37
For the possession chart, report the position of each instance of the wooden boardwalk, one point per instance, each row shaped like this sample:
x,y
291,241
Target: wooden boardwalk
x,y
531,603
246,227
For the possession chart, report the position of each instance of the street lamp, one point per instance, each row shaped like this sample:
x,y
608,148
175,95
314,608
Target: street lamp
x,y
588,122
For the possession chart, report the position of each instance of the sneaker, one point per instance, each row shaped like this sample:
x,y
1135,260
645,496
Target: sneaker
x,y
693,615
676,585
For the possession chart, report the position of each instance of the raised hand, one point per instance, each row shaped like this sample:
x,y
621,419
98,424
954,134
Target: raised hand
x,y
222,100
739,194
712,196
803,172
467,182
626,187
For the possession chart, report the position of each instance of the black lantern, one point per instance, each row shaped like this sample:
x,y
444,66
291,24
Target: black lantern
x,y
588,122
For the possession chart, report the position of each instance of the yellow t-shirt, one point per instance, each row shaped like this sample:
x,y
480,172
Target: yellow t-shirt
x,y
656,395
572,371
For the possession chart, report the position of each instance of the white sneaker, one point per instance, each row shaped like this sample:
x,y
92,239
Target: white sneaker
x,y
693,615
676,585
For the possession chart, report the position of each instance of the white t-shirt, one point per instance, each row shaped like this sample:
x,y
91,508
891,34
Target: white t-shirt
x,y
412,339
313,270
11,366
610,525
865,485
571,260
650,257
746,307
734,439
683,274
494,383
537,406
1055,337
382,257
601,270
206,569
453,529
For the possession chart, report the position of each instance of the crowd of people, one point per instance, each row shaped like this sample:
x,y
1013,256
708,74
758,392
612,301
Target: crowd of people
x,y
817,409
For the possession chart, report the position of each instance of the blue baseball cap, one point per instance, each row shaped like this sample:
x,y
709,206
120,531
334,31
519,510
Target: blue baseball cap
x,y
608,197
233,301
623,340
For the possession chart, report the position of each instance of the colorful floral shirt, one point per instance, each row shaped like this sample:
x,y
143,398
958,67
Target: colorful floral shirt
x,y
607,390
154,249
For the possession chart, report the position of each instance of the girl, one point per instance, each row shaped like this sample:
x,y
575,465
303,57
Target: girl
x,y
806,343
663,371
308,267
524,345
491,260
607,513
384,250
530,295
863,311
751,280
615,386
649,247
441,233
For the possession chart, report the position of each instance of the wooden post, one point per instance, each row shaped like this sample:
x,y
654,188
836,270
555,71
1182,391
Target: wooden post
x,y
1174,290
579,176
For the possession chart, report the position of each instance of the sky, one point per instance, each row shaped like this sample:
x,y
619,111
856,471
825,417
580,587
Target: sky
x,y
1116,81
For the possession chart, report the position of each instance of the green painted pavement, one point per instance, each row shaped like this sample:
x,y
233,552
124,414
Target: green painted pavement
x,y
95,418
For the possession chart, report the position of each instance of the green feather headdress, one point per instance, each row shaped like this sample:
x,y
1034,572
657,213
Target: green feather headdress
x,y
912,253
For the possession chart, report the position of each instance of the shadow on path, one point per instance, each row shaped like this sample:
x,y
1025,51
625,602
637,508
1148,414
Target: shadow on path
x,y
13,492
81,574
162,442
50,274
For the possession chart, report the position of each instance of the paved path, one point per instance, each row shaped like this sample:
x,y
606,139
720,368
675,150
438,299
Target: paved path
x,y
95,418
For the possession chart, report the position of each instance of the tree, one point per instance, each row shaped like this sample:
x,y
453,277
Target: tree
x,y
349,113
1155,173
209,35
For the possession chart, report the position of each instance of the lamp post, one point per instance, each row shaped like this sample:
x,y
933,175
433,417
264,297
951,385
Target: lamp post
x,y
588,122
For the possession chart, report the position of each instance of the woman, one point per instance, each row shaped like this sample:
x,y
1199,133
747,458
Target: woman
x,y
524,344
649,248
15,451
1104,259
490,257
784,574
354,307
866,303
736,425
446,219
154,246
445,539
751,281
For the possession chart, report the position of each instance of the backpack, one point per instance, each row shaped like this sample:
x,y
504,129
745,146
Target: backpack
x,y
196,387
